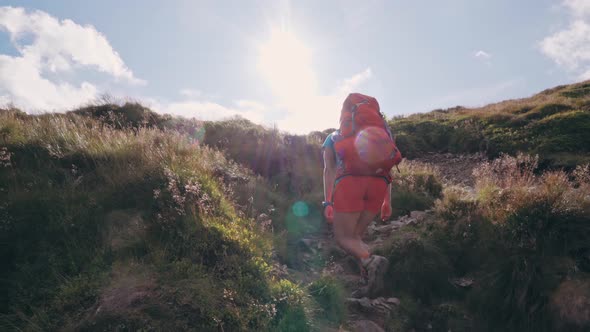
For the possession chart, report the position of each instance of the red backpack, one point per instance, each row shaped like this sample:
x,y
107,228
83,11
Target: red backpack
x,y
364,144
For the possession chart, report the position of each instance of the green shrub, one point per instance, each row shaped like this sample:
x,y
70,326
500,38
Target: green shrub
x,y
289,303
566,131
546,110
514,295
330,295
128,115
416,135
519,236
455,205
542,226
417,266
416,187
462,232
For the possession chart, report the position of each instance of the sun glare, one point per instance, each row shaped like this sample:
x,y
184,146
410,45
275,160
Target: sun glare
x,y
285,63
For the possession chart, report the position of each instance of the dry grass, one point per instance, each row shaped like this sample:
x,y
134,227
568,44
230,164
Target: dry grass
x,y
523,233
509,183
415,187
552,124
68,175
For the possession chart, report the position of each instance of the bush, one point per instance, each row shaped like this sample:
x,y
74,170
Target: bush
x,y
289,303
456,204
503,183
514,295
519,236
417,266
567,131
126,116
329,294
542,225
462,232
546,110
416,187
570,305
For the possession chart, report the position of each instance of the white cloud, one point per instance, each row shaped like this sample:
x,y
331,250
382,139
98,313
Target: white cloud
x,y
4,101
570,47
199,105
23,85
482,55
356,80
251,105
585,75
304,112
578,8
210,111
45,75
205,110
47,45
191,93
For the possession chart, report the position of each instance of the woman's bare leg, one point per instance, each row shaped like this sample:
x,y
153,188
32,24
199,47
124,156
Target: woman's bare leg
x,y
365,220
345,224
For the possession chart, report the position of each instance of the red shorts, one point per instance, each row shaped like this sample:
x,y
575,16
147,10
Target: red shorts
x,y
359,193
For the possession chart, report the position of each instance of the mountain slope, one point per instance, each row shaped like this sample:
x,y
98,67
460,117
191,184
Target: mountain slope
x,y
554,124
113,217
108,229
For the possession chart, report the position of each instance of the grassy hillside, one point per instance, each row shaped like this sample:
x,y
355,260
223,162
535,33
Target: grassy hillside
x,y
109,229
114,217
510,255
555,124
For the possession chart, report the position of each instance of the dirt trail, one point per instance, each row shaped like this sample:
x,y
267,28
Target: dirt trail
x,y
321,256
363,314
455,169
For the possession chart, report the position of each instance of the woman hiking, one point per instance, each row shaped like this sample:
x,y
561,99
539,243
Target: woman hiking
x,y
358,158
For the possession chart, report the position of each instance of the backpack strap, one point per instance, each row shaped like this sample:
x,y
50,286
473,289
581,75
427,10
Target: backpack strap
x,y
386,125
353,111
331,147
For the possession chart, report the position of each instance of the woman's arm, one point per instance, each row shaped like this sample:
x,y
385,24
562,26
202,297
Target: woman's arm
x,y
386,206
329,173
387,198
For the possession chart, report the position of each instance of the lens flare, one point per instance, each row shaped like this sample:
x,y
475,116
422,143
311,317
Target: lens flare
x,y
300,209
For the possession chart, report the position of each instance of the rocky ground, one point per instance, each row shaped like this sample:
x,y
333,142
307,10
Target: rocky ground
x,y
456,169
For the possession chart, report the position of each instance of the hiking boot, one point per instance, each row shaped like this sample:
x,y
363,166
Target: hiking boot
x,y
364,280
362,285
360,292
376,267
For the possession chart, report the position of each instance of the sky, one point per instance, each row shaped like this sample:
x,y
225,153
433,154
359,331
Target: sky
x,y
288,64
